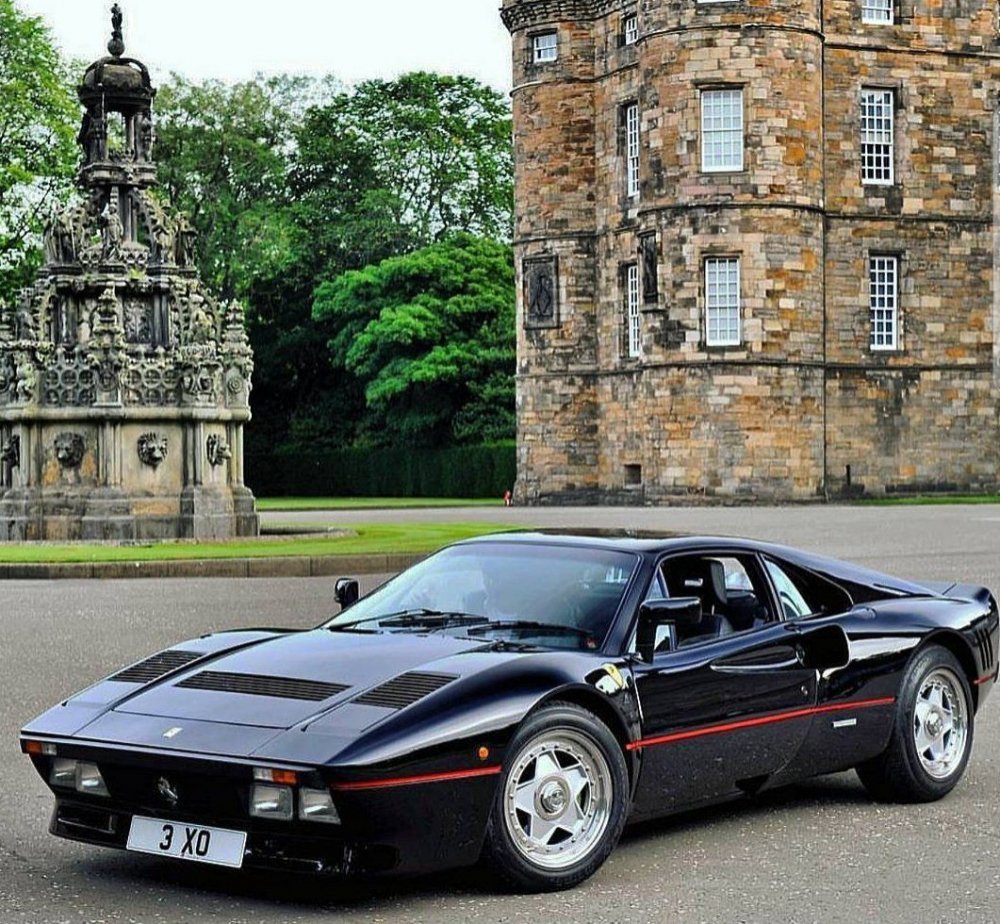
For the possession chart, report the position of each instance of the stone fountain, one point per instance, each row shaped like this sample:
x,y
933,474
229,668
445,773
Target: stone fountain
x,y
124,385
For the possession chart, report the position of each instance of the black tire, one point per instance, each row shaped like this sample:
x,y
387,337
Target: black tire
x,y
505,853
900,773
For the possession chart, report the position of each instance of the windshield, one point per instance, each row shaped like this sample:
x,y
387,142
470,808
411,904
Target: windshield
x,y
558,596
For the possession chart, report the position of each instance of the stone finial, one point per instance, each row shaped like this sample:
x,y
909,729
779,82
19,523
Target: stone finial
x,y
117,44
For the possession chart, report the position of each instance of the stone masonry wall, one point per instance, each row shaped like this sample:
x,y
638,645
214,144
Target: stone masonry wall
x,y
803,396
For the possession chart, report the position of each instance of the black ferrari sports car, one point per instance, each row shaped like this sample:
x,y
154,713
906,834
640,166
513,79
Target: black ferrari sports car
x,y
518,699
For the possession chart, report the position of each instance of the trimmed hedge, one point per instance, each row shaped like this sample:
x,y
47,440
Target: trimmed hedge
x,y
467,471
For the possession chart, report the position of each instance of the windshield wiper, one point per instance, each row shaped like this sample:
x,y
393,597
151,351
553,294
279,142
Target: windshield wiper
x,y
416,617
528,627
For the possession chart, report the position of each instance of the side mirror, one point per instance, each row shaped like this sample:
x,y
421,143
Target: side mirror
x,y
347,592
680,611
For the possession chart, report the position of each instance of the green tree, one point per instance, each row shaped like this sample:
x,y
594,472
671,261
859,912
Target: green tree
x,y
38,117
226,155
430,335
439,153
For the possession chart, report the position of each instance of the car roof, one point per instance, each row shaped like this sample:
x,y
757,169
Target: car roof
x,y
645,542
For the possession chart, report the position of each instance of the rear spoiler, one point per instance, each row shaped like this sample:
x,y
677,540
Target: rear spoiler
x,y
962,592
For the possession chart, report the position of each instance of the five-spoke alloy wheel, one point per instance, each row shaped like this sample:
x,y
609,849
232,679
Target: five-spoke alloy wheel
x,y
561,806
932,737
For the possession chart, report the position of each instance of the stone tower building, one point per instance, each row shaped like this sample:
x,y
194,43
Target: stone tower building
x,y
124,385
758,247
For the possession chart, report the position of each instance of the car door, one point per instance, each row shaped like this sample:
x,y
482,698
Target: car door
x,y
722,713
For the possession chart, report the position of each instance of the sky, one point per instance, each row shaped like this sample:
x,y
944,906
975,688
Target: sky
x,y
232,40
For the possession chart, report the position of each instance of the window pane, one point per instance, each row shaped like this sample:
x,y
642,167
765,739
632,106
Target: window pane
x,y
877,131
632,148
545,47
883,302
632,321
876,11
631,30
722,130
722,301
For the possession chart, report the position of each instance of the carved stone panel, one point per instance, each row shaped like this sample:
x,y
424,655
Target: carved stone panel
x,y
10,452
218,451
541,292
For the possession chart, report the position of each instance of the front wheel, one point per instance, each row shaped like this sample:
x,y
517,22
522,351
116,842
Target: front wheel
x,y
561,804
932,737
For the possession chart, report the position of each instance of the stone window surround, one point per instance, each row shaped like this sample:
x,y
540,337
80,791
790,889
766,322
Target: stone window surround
x,y
871,10
631,311
880,87
897,313
712,87
631,128
630,28
720,256
535,47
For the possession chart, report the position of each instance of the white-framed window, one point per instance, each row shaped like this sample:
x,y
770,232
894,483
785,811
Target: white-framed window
x,y
546,47
633,324
876,12
721,130
722,301
883,301
877,134
632,148
630,29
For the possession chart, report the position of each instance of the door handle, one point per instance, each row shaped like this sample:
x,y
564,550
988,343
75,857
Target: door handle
x,y
763,668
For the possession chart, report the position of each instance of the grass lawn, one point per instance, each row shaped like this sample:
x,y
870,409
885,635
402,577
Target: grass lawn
x,y
376,539
932,500
371,503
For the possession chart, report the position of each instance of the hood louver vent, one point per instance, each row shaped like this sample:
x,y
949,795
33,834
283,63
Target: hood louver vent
x,y
156,667
404,690
259,685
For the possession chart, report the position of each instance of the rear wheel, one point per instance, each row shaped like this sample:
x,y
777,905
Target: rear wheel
x,y
932,737
561,804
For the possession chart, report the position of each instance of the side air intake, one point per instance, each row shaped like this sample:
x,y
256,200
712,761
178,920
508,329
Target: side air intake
x,y
156,667
404,690
260,685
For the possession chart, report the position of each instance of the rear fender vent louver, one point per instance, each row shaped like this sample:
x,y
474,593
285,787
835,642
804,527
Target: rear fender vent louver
x,y
260,685
985,643
404,690
156,667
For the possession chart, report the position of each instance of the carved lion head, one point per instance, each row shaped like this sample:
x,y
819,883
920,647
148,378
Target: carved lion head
x,y
69,449
152,449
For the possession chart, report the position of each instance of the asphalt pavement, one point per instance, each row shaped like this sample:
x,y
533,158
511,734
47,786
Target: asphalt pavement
x,y
818,852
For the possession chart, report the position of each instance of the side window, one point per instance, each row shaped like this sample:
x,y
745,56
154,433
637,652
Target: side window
x,y
804,593
732,590
793,604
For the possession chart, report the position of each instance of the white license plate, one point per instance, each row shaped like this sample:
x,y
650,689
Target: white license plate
x,y
187,842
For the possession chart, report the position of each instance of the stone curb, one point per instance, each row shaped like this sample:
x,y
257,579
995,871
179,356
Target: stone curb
x,y
290,567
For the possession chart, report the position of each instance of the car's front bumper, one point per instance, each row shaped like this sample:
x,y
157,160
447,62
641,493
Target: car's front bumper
x,y
326,853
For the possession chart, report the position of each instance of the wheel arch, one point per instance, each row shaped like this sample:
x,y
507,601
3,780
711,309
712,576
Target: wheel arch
x,y
600,706
955,642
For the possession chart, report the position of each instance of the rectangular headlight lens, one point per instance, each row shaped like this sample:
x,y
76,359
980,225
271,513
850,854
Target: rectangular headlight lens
x,y
89,780
63,773
275,802
317,805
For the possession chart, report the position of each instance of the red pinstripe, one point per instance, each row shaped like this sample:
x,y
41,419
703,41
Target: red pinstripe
x,y
757,721
390,782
